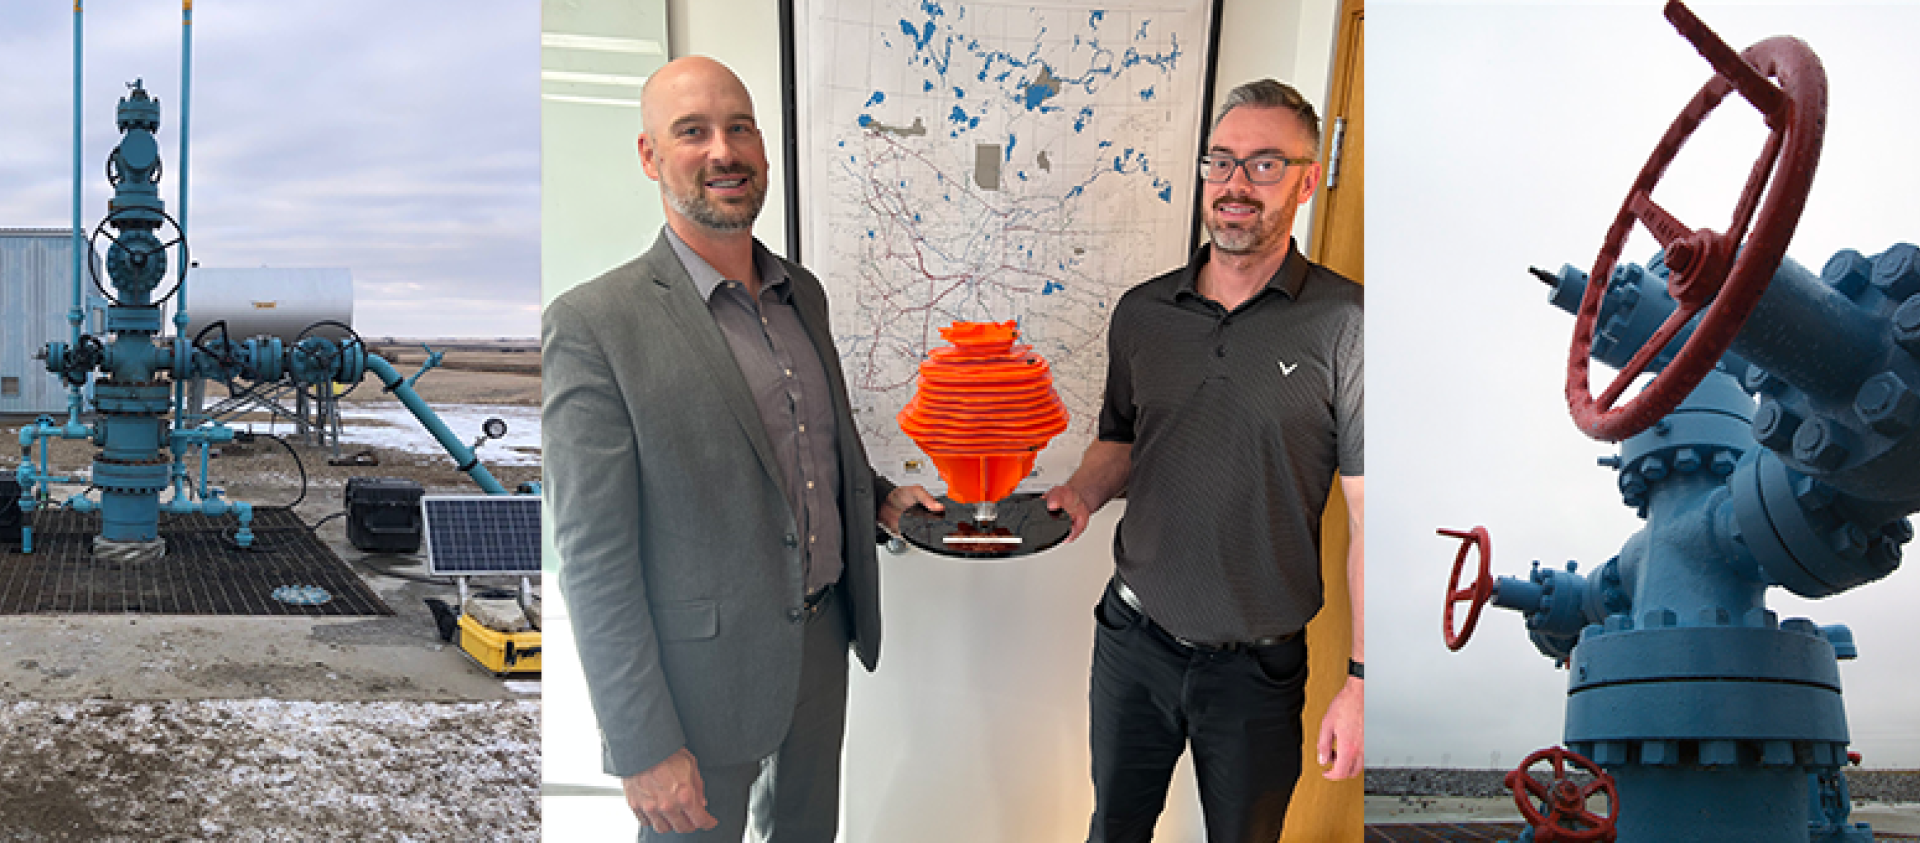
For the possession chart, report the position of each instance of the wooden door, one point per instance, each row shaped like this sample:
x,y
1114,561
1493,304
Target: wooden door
x,y
1325,811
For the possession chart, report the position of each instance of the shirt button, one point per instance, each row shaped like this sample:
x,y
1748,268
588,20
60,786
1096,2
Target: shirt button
x,y
1220,351
803,428
813,539
791,541
796,615
809,484
788,372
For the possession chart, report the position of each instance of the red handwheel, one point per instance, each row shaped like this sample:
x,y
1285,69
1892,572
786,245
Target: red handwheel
x,y
1721,274
1566,817
1476,594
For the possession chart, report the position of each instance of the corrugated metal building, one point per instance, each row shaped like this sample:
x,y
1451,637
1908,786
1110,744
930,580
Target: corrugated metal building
x,y
36,290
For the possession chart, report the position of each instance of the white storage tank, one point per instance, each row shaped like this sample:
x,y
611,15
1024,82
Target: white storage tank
x,y
36,291
268,301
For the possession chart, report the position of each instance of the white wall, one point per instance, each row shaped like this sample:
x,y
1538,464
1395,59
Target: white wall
x,y
974,727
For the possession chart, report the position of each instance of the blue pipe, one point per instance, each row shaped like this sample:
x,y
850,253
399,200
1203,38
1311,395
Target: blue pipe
x,y
182,362
461,454
75,316
180,319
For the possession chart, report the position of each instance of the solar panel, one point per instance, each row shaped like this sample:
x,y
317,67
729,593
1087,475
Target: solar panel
x,y
482,534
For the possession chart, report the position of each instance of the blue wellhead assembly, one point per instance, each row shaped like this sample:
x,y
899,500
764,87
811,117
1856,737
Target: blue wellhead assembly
x,y
140,418
1778,444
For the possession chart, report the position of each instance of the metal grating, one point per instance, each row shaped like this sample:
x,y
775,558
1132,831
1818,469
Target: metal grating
x,y
203,573
482,534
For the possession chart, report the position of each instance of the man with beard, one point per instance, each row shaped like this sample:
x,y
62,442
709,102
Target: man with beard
x,y
1233,398
713,506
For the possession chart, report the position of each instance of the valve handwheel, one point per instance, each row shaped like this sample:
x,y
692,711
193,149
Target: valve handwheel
x,y
1566,816
333,355
1720,274
1476,594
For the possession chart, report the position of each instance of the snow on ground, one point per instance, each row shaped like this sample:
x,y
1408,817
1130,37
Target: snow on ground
x,y
392,426
269,770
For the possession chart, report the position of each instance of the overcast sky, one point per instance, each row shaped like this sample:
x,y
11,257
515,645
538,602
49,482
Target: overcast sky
x,y
1506,136
398,140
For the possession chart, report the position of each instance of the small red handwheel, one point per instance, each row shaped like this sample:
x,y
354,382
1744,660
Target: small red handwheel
x,y
1710,271
1566,816
1475,594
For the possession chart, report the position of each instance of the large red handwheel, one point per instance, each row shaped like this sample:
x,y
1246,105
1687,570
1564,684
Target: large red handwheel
x,y
1476,594
1717,273
1566,816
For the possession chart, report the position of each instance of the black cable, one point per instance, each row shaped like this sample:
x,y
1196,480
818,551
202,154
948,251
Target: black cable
x,y
296,464
315,526
367,562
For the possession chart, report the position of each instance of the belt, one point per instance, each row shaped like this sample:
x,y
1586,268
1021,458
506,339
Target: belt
x,y
1133,602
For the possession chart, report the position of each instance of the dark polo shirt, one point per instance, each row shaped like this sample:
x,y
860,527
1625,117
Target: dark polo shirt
x,y
1238,422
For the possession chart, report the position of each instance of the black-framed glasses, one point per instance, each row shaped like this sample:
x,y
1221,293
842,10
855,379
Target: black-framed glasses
x,y
1261,169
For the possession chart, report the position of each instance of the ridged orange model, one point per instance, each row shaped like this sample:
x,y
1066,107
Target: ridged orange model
x,y
984,409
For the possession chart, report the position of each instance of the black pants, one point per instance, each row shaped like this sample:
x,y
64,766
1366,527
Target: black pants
x,y
1153,695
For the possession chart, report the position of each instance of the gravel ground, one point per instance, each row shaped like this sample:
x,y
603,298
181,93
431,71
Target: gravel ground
x,y
119,728
258,770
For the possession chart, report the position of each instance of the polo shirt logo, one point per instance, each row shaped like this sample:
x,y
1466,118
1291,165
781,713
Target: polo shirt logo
x,y
1286,369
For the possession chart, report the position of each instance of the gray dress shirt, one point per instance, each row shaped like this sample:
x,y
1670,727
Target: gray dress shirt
x,y
790,390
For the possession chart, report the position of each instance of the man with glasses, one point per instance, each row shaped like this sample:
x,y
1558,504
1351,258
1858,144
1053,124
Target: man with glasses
x,y
1233,398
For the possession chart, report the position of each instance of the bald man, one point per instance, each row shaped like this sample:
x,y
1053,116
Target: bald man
x,y
713,506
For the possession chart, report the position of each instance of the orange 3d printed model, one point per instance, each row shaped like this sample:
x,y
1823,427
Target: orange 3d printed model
x,y
984,410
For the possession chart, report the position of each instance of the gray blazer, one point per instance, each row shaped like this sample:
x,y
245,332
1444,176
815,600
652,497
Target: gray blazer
x,y
680,561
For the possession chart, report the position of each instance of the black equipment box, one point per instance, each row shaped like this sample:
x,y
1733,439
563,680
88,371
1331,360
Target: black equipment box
x,y
383,514
11,518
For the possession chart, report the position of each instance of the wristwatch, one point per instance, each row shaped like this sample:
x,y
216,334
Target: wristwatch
x,y
1357,670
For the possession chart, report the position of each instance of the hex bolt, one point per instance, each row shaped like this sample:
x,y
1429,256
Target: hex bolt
x,y
1906,326
1887,404
1654,468
1848,540
1774,425
1900,530
1686,460
1724,462
1631,483
1760,382
1820,443
1884,557
1897,271
1812,494
1848,271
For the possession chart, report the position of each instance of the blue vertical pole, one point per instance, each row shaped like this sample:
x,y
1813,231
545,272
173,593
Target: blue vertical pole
x,y
75,315
182,360
180,355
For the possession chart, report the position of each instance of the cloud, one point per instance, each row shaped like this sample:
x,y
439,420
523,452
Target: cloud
x,y
398,140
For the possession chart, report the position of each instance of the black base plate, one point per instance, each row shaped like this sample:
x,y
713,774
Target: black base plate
x,y
1024,516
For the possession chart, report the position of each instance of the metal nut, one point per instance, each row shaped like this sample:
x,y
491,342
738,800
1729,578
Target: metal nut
x,y
1887,404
